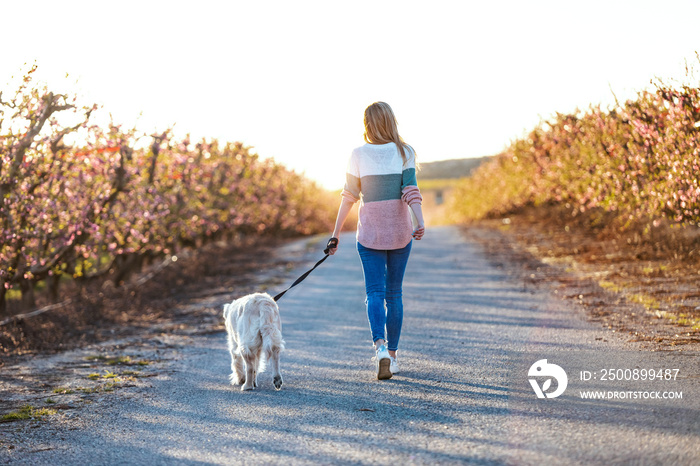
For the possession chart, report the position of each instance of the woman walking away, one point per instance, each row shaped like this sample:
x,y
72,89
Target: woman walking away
x,y
382,176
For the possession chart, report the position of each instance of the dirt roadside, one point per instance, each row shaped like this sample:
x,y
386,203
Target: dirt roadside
x,y
653,296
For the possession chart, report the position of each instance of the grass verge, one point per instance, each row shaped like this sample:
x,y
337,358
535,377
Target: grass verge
x,y
27,412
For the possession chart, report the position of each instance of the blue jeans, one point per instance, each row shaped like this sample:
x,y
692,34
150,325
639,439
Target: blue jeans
x,y
383,271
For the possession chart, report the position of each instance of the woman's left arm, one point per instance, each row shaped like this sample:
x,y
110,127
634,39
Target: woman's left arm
x,y
411,195
419,229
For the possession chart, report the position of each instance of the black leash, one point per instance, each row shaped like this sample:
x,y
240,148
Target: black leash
x,y
332,243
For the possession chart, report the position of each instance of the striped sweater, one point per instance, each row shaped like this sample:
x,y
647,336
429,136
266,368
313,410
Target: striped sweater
x,y
385,186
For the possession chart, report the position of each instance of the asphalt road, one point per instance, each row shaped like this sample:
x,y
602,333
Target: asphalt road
x,y
470,336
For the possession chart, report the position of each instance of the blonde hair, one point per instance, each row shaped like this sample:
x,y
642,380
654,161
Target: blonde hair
x,y
381,128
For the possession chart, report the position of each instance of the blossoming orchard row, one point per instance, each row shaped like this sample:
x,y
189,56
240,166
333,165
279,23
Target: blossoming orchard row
x,y
640,161
102,205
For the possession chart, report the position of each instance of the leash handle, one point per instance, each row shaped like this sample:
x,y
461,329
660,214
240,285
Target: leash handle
x,y
332,244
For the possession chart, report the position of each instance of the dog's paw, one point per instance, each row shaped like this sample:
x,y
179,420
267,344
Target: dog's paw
x,y
247,387
240,381
277,381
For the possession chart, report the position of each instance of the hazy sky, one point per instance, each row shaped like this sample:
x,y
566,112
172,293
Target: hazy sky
x,y
293,78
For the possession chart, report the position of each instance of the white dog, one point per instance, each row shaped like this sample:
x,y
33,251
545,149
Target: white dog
x,y
254,336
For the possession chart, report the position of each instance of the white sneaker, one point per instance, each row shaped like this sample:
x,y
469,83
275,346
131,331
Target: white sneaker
x,y
383,363
394,367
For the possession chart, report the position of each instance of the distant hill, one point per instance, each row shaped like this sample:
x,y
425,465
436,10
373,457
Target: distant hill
x,y
454,168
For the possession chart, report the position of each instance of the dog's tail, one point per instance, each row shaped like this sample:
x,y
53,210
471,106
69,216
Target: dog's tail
x,y
270,327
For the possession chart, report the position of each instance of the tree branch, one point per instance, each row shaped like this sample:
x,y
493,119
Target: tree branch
x,y
25,142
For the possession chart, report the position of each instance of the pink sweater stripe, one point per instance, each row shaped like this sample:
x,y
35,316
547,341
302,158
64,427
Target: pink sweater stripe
x,y
345,194
384,225
411,195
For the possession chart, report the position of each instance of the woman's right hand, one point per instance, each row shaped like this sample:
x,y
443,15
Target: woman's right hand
x,y
419,232
329,247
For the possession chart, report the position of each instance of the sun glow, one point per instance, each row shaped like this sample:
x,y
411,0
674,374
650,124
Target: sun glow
x,y
293,78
